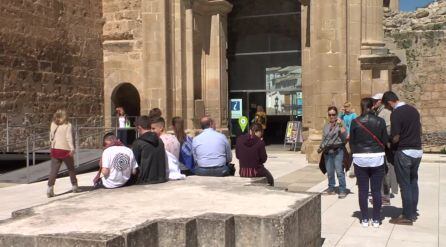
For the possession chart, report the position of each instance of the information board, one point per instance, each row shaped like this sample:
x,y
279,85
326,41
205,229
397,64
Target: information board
x,y
236,108
293,133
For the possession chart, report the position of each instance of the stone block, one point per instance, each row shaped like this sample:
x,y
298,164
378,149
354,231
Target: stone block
x,y
17,240
215,230
145,235
80,239
178,232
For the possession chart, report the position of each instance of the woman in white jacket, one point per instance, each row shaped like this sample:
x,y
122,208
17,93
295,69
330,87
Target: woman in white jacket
x,y
62,150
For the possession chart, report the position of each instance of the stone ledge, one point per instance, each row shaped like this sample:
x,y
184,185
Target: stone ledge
x,y
233,212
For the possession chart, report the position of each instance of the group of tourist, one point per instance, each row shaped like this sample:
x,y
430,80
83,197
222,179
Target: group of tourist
x,y
157,156
385,143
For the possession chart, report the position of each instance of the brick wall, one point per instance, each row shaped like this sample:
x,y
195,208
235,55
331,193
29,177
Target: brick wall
x,y
50,58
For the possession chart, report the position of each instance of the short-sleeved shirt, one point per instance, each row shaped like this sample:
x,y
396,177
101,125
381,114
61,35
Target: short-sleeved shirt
x,y
211,149
121,162
348,118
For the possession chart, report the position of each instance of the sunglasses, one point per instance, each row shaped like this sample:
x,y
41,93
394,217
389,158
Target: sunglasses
x,y
331,115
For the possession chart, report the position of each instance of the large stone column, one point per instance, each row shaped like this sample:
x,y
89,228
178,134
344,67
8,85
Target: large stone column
x,y
372,26
214,80
324,62
157,55
377,62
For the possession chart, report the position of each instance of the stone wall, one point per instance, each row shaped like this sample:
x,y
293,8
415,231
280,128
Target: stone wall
x,y
50,58
419,39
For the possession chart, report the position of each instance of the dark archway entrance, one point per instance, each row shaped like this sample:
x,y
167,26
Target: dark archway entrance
x,y
127,96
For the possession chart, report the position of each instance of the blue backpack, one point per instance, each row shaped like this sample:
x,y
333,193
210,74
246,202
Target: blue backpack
x,y
186,156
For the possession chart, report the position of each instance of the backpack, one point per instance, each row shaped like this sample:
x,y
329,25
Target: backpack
x,y
186,156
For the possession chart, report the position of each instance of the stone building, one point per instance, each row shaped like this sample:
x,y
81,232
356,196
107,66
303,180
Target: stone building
x,y
50,58
190,57
195,57
166,54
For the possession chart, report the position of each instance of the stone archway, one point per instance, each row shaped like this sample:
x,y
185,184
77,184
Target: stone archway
x,y
127,96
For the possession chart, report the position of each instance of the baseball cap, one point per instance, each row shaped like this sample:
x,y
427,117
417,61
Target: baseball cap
x,y
378,96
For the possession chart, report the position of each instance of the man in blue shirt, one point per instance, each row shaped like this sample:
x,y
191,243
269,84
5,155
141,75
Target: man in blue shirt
x,y
212,152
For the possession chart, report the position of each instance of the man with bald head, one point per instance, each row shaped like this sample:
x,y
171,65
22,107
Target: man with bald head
x,y
212,152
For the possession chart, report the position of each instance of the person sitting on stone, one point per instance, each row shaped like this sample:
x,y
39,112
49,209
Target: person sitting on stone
x,y
117,164
155,113
149,154
211,151
172,147
251,152
187,163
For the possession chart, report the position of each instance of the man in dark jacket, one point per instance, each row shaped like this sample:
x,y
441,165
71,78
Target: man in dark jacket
x,y
150,154
406,139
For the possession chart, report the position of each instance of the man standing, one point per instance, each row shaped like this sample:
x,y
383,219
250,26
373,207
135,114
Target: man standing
x,y
150,154
406,138
117,164
389,182
211,151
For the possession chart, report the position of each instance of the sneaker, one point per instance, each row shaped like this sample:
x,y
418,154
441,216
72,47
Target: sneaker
x,y
375,223
50,191
365,223
342,195
75,189
401,220
330,191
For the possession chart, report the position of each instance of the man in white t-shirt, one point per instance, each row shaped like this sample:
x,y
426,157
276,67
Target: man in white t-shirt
x,y
118,163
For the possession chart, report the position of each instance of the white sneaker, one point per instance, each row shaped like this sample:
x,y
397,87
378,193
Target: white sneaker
x,y
375,223
75,189
365,223
50,191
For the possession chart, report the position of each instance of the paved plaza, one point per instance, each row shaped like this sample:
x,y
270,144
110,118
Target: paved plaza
x,y
340,222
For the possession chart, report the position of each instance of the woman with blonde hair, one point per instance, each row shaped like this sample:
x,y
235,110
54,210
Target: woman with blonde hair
x,y
62,150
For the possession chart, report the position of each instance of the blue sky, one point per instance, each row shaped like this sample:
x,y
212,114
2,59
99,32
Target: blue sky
x,y
410,5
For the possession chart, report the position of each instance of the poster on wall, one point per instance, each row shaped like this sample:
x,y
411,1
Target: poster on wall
x,y
236,108
283,85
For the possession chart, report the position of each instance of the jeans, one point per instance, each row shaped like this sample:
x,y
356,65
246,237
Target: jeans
x,y
406,169
333,162
218,171
373,176
55,166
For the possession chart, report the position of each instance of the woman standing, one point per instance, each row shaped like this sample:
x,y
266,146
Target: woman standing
x,y
250,150
186,157
368,136
62,150
332,146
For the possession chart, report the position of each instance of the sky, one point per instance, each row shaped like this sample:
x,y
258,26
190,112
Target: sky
x,y
410,5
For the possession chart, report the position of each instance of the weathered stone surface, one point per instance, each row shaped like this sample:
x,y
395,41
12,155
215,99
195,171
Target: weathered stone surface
x,y
215,230
171,214
75,239
421,44
50,58
422,13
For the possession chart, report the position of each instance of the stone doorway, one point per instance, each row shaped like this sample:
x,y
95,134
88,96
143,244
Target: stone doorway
x,y
127,96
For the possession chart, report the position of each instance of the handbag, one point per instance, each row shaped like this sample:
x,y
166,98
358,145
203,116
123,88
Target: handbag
x,y
322,164
387,151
